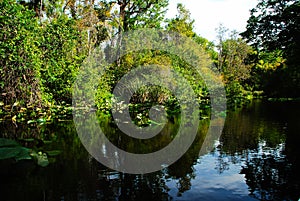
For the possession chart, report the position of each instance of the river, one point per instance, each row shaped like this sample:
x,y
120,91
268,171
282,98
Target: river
x,y
257,157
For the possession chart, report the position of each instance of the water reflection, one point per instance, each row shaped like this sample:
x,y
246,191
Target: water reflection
x,y
257,157
264,142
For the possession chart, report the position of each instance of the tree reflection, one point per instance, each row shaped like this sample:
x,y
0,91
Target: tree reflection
x,y
183,170
275,175
266,149
75,175
265,146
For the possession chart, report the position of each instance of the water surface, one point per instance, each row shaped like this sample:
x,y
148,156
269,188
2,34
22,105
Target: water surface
x,y
256,158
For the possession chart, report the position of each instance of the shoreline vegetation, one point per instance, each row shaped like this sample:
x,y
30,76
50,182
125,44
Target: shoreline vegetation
x,y
43,46
34,116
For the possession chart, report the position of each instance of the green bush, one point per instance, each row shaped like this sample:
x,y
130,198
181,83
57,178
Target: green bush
x,y
61,59
20,56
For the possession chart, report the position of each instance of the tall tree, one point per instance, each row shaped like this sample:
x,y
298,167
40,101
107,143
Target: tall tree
x,y
233,53
134,14
141,13
275,25
182,23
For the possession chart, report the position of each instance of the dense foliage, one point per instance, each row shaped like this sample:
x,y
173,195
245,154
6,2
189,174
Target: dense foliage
x,y
274,29
60,41
20,55
43,44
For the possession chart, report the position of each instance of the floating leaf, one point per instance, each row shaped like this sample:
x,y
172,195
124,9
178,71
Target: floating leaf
x,y
47,141
8,152
27,140
7,142
53,152
24,154
18,153
11,149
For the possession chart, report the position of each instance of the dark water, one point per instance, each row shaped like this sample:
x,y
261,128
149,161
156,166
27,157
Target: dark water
x,y
256,158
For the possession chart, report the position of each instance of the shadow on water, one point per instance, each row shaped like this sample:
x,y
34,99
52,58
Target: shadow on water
x,y
257,157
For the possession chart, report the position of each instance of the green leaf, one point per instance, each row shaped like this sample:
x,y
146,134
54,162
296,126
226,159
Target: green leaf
x,y
8,152
8,143
27,140
41,120
18,153
47,141
53,152
31,121
24,154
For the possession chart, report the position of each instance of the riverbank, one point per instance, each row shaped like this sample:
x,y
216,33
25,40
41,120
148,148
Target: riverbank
x,y
34,115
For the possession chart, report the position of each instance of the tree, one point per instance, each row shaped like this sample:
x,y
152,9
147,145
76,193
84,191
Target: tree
x,y
274,25
233,56
36,5
182,23
222,32
233,53
140,13
207,45
266,72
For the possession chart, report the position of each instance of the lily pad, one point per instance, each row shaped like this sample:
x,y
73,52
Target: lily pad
x,y
8,152
26,140
8,143
53,152
24,154
18,153
47,141
11,149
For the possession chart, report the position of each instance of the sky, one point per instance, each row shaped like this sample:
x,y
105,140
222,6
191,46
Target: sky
x,y
208,14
